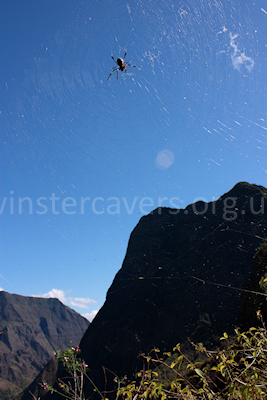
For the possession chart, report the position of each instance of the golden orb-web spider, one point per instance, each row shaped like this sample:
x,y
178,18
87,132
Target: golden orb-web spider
x,y
121,65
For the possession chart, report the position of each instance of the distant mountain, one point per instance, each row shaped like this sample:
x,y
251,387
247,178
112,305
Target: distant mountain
x,y
31,329
183,277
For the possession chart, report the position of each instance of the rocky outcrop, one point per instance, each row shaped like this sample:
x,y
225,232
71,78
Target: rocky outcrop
x,y
30,330
182,277
255,295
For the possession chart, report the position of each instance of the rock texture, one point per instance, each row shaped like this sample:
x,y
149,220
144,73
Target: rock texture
x,y
183,276
255,296
31,329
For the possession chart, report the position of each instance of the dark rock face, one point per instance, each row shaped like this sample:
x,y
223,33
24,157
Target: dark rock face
x,y
255,296
31,329
183,277
180,278
49,374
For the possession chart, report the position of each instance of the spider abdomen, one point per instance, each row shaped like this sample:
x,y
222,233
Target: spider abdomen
x,y
120,61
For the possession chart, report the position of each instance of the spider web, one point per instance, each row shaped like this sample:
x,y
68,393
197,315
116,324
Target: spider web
x,y
191,122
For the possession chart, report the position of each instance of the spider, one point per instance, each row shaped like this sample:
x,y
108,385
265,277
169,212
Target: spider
x,y
121,65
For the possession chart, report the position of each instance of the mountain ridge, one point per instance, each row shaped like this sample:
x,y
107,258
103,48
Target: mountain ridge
x,y
166,288
183,276
31,329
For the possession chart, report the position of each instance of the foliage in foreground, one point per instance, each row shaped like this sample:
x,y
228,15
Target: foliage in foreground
x,y
72,388
238,370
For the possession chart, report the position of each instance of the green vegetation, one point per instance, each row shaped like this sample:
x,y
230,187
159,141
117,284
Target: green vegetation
x,y
73,387
238,370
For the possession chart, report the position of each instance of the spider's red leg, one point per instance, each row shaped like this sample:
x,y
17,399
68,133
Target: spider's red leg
x,y
134,66
124,56
113,59
111,73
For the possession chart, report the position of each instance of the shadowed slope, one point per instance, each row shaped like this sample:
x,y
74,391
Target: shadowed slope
x,y
32,328
178,279
183,276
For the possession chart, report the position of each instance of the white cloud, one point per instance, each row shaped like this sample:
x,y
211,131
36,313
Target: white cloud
x,y
238,58
79,302
90,316
1,289
56,294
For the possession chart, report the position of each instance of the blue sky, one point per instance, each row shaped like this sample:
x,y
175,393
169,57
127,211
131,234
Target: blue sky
x,y
83,158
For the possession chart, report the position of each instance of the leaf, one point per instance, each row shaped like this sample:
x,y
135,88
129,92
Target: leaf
x,y
225,336
177,347
214,368
222,366
200,373
167,353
